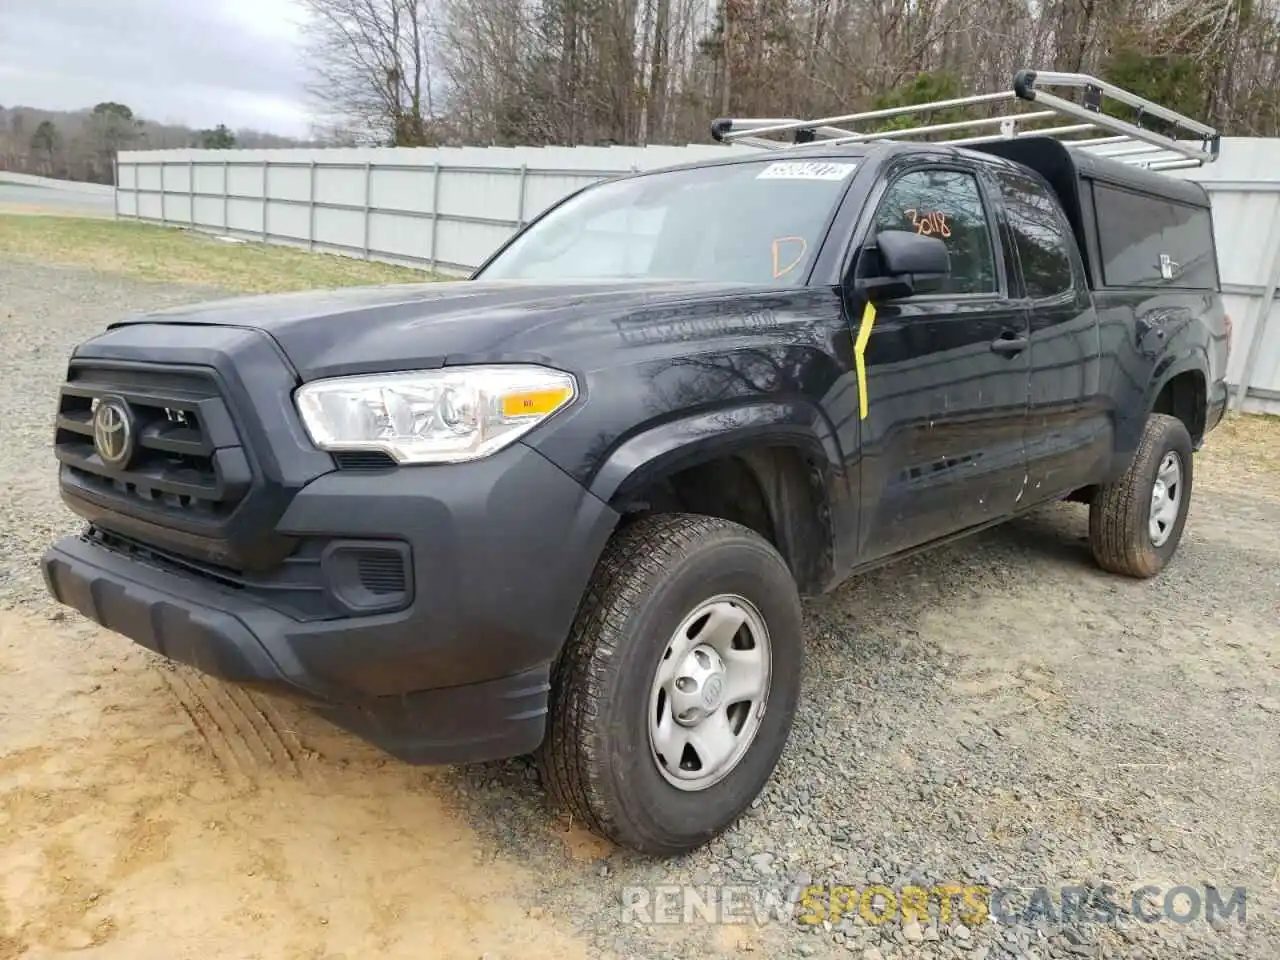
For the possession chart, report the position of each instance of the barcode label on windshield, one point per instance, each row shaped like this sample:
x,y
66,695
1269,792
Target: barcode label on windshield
x,y
806,170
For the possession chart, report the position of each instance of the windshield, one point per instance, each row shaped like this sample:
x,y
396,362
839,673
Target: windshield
x,y
744,222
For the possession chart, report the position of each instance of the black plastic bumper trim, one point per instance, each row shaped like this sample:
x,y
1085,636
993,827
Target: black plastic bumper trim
x,y
482,721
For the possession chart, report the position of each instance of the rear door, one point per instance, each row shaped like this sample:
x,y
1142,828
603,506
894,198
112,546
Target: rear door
x,y
946,373
1069,436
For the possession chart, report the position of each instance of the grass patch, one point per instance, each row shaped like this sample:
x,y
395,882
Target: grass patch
x,y
1243,453
171,255
1252,437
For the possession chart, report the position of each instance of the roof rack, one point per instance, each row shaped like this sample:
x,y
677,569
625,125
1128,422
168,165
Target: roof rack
x,y
1192,143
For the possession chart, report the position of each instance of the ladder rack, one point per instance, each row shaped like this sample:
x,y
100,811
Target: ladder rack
x,y
1192,143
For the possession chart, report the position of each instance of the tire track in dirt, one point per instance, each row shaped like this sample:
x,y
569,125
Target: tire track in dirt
x,y
228,752
256,726
244,733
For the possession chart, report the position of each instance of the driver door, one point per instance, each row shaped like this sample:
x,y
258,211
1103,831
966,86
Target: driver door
x,y
947,372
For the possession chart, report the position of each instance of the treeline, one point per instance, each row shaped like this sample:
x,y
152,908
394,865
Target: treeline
x,y
531,72
81,145
512,72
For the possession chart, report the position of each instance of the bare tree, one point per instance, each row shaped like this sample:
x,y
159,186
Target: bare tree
x,y
510,72
643,71
371,64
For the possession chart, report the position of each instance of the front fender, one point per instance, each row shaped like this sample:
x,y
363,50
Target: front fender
x,y
673,444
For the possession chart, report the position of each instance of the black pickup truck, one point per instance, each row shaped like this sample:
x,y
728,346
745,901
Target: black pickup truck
x,y
569,506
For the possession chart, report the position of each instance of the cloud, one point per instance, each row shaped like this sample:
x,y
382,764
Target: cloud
x,y
201,63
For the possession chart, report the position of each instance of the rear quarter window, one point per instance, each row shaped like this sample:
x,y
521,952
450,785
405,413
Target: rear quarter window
x,y
1040,235
1148,241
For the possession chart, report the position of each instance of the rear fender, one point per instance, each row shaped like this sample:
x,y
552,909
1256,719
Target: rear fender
x,y
1129,429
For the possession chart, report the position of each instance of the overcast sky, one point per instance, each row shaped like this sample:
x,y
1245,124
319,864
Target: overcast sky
x,y
198,62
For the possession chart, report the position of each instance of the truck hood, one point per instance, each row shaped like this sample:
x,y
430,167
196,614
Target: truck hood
x,y
372,329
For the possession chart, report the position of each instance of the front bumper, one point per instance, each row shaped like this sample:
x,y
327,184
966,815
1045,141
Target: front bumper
x,y
501,550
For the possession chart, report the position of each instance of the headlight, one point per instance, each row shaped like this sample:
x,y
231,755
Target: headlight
x,y
432,416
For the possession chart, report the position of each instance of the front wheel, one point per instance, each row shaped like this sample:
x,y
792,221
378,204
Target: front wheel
x,y
674,696
1136,523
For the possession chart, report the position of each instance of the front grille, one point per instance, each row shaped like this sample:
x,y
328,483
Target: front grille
x,y
186,460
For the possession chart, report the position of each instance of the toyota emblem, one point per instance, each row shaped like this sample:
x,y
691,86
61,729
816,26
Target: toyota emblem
x,y
113,431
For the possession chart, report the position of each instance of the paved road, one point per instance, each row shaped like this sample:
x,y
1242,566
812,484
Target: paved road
x,y
26,197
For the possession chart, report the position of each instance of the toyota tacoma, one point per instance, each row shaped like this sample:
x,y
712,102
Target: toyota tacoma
x,y
569,506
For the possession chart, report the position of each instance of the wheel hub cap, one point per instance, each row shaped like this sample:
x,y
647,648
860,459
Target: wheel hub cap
x,y
708,693
1166,499
699,685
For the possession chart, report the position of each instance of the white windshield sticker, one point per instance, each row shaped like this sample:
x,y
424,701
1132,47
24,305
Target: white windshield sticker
x,y
806,170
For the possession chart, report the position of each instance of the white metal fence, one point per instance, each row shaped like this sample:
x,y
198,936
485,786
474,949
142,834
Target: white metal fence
x,y
445,209
448,209
1244,186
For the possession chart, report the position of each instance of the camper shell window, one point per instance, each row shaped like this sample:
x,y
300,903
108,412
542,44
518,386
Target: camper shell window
x,y
1135,228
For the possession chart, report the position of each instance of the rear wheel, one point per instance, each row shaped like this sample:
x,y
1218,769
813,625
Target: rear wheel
x,y
1136,523
674,696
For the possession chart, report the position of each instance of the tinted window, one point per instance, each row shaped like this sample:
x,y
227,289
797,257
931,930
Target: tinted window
x,y
1039,234
1148,241
758,222
945,204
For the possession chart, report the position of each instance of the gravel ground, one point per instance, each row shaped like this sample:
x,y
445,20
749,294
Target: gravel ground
x,y
997,712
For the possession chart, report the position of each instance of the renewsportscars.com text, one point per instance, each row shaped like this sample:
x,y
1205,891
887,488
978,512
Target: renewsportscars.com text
x,y
970,904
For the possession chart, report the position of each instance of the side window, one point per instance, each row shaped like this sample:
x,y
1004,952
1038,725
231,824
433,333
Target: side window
x,y
1149,241
945,204
1039,233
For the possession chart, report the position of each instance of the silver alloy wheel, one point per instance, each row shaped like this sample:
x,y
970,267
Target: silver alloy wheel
x,y
1166,499
709,692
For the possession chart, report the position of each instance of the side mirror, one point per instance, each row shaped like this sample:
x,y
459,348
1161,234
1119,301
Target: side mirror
x,y
909,263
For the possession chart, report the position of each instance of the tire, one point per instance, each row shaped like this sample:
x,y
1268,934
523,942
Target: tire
x,y
1120,516
598,758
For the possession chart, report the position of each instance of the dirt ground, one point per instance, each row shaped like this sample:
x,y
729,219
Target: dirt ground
x,y
139,799
996,710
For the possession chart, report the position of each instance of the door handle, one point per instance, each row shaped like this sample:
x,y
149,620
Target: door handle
x,y
1009,346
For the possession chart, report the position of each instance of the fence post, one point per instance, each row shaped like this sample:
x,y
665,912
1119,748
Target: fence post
x,y
163,216
368,184
265,164
435,212
524,186
115,191
311,207
226,195
191,192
